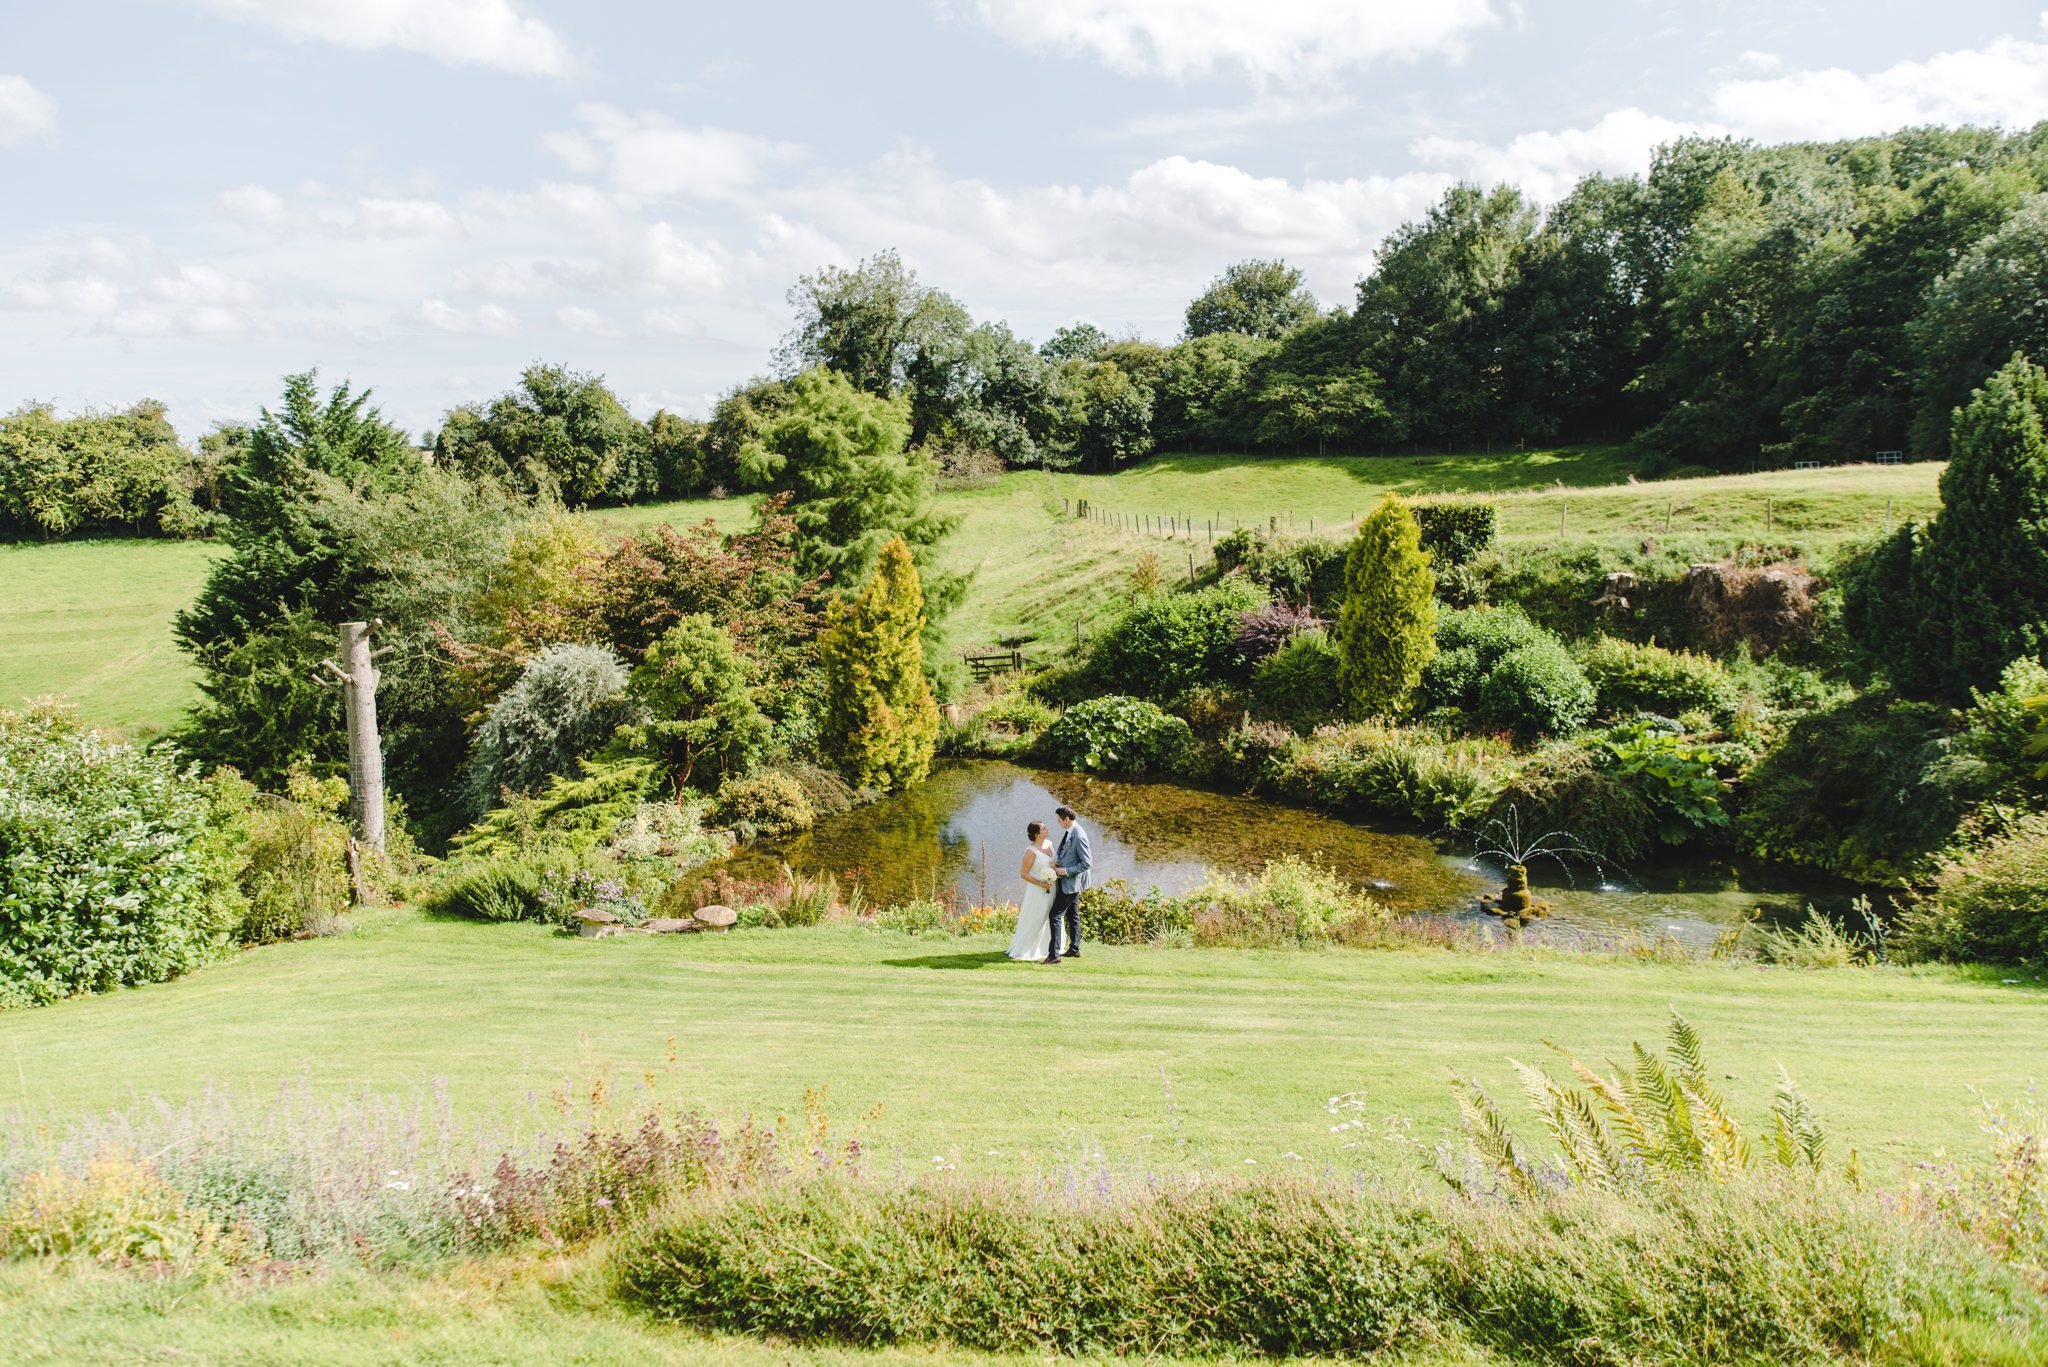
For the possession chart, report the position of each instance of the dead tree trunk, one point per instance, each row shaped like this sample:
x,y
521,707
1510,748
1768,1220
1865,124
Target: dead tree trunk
x,y
358,673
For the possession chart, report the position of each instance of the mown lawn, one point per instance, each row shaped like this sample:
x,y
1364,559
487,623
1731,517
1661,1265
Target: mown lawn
x,y
1128,1055
92,619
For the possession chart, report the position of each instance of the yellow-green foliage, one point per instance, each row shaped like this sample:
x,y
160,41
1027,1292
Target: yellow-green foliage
x,y
881,721
1387,630
121,1211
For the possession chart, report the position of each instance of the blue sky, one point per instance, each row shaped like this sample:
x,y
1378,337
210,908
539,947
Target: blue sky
x,y
426,195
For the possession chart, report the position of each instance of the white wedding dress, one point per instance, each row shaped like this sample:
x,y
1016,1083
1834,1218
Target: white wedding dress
x,y
1033,939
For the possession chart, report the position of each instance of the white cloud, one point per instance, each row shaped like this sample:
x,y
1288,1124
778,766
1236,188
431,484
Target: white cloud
x,y
2004,82
587,321
254,205
404,218
26,113
1284,40
82,296
650,156
490,33
1547,164
486,320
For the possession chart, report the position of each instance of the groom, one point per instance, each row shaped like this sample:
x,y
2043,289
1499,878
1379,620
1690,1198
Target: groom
x,y
1072,861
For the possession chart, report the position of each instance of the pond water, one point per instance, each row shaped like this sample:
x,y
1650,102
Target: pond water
x,y
964,830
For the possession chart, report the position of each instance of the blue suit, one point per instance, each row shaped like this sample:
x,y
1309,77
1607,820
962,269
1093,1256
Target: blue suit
x,y
1077,859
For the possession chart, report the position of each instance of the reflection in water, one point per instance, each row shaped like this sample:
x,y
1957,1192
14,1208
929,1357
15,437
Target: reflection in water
x,y
971,816
964,830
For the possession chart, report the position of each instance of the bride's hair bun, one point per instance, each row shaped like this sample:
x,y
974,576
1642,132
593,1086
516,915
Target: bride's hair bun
x,y
1034,830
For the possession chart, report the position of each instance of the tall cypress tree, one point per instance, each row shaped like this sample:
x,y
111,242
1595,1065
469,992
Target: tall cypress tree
x,y
1386,632
881,721
1981,577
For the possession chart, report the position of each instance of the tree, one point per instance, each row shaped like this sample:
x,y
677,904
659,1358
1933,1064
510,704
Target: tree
x,y
1111,413
1203,391
1429,316
1981,576
561,434
698,692
1386,631
840,454
1255,297
869,324
564,704
1994,302
881,721
121,472
1074,342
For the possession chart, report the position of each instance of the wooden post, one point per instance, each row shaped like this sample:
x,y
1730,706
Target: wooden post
x,y
1887,515
1564,507
1667,516
358,674
1191,567
1769,511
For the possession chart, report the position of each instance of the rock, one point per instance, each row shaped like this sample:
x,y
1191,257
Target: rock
x,y
716,917
668,925
596,922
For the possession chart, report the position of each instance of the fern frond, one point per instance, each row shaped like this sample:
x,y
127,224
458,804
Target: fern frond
x,y
1686,1050
1491,1140
1635,1136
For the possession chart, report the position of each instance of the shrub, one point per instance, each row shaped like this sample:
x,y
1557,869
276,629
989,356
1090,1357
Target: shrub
x,y
494,890
1470,642
1112,914
1453,533
110,472
1409,774
1300,684
1564,789
1536,689
698,692
1264,630
1120,734
571,814
1386,632
769,804
1290,904
1989,903
1763,1271
671,832
1161,647
565,703
116,866
1861,790
881,720
121,1211
1627,677
295,846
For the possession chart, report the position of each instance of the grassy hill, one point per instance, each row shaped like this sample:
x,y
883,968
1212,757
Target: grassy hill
x,y
92,619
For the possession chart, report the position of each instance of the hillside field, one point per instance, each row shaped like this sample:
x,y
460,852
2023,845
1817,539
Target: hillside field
x,y
91,619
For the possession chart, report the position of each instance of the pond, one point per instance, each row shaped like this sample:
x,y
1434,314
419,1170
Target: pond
x,y
964,830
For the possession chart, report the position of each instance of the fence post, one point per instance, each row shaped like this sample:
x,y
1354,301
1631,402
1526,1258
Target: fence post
x,y
1191,567
1667,516
1769,515
1564,506
1887,516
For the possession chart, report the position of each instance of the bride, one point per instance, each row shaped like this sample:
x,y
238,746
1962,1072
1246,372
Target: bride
x,y
1034,916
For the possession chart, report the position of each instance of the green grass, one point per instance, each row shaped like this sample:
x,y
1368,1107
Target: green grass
x,y
92,619
1154,1056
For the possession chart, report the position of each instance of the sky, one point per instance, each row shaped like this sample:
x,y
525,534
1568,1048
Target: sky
x,y
198,197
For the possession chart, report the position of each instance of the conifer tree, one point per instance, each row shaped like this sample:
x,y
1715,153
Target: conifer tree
x,y
1981,577
881,721
1386,631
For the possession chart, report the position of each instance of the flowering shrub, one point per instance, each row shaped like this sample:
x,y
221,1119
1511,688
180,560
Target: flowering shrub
x,y
563,893
116,866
